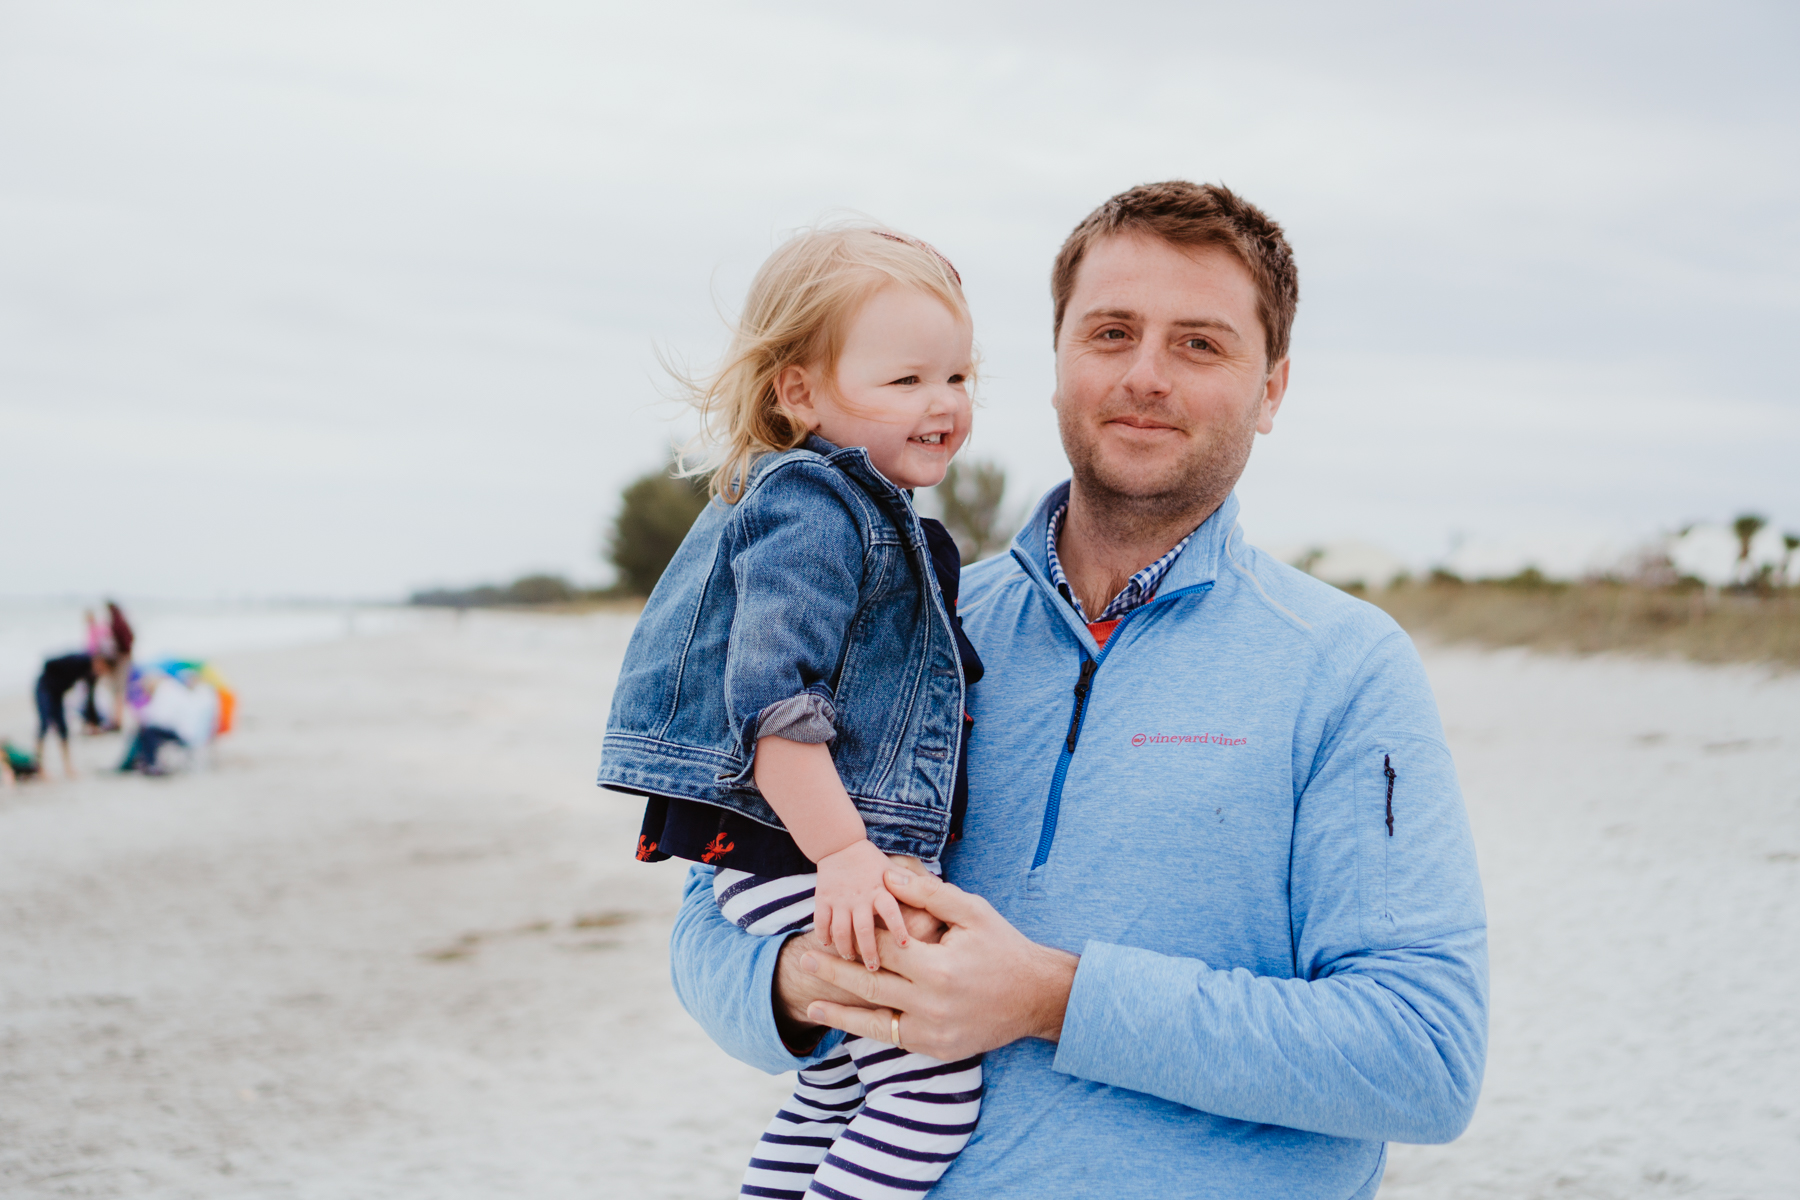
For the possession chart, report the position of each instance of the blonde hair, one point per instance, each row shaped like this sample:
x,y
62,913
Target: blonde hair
x,y
796,315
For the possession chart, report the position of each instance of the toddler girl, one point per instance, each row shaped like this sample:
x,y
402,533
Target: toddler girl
x,y
792,700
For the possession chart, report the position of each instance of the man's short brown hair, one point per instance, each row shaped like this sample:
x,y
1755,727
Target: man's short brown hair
x,y
1190,214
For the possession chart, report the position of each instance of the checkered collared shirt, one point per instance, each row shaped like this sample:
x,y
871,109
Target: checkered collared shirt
x,y
1138,590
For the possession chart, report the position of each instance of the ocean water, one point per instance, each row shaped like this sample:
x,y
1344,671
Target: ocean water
x,y
32,630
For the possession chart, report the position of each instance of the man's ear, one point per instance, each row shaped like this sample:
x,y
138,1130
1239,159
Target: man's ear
x,y
1274,388
794,392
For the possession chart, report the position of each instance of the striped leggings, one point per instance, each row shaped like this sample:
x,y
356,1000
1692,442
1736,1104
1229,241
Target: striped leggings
x,y
873,1121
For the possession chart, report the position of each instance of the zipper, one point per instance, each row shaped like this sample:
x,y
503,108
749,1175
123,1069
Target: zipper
x,y
1088,667
1084,684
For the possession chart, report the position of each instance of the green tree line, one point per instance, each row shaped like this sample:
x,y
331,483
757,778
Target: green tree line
x,y
657,509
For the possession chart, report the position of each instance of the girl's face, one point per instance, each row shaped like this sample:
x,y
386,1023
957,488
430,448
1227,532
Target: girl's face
x,y
901,389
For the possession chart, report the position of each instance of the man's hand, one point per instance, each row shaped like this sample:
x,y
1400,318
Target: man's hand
x,y
983,985
796,989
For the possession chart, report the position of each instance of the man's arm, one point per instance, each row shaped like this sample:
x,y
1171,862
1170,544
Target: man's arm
x,y
1380,1035
724,976
982,986
1388,1049
747,992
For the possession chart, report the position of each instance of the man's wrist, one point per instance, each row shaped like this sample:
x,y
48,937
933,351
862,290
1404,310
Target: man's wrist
x,y
800,1036
801,1041
1055,972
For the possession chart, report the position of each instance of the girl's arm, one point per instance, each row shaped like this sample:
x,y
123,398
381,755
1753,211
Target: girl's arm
x,y
801,784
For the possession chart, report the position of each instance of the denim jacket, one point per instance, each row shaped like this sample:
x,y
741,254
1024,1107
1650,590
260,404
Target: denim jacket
x,y
809,604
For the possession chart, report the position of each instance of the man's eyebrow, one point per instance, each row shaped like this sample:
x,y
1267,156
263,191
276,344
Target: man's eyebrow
x,y
1206,323
1126,314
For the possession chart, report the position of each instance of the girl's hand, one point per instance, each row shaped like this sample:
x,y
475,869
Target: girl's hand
x,y
849,894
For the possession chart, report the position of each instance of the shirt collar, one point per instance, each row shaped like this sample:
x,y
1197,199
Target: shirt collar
x,y
1138,591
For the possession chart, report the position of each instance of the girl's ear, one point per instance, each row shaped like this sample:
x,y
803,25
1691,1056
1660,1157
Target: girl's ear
x,y
794,393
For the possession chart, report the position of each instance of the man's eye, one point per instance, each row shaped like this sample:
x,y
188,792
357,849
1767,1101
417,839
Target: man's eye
x,y
1112,334
907,381
1199,343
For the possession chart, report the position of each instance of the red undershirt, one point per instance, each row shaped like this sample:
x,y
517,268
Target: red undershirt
x,y
1103,629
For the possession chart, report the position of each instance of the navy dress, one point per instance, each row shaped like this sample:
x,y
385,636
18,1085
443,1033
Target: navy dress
x,y
675,828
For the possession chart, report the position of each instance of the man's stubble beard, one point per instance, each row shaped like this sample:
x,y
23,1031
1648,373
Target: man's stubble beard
x,y
1130,508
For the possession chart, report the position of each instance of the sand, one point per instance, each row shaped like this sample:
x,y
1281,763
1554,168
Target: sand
x,y
391,942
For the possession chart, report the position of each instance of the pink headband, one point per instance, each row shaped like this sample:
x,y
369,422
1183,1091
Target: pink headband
x,y
925,246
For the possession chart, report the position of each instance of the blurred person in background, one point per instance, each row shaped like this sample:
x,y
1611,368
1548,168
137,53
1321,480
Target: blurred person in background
x,y
54,682
99,646
174,713
15,764
122,637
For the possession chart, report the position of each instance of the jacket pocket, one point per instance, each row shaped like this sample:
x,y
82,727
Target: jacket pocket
x,y
1409,823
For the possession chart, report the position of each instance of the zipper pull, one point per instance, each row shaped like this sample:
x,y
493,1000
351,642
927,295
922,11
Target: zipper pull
x,y
1081,692
1387,768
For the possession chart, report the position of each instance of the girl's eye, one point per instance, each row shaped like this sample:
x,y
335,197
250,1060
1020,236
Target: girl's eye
x,y
908,381
956,379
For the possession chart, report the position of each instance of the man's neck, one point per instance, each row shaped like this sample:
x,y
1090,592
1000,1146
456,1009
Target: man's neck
x,y
1103,543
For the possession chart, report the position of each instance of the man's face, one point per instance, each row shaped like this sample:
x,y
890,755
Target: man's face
x,y
1161,378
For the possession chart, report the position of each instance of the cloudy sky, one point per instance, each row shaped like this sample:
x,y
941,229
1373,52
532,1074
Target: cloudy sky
x,y
347,299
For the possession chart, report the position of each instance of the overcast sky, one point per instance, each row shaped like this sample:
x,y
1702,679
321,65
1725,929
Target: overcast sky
x,y
349,299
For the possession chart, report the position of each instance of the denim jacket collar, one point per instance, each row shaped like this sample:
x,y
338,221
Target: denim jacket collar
x,y
855,462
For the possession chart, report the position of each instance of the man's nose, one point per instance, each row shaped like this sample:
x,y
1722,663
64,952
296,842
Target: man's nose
x,y
1148,374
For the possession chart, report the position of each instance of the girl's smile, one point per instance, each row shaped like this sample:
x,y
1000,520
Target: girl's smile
x,y
901,389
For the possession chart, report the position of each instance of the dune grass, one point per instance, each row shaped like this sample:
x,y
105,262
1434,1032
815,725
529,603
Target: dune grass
x,y
1588,618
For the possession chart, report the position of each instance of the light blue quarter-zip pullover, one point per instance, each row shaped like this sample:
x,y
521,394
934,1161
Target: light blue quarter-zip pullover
x,y
1242,815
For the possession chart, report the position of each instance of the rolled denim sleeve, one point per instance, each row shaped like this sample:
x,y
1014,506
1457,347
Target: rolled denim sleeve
x,y
808,717
797,570
724,977
1382,1032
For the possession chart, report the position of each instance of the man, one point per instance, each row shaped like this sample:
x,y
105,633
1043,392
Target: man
x,y
1215,920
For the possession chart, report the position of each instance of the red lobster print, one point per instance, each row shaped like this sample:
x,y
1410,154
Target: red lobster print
x,y
716,849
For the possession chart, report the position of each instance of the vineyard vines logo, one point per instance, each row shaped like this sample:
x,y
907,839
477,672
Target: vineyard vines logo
x,y
1186,739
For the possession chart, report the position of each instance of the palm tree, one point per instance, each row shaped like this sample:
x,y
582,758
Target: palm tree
x,y
1747,526
1790,542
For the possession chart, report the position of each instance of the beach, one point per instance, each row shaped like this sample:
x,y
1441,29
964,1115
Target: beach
x,y
390,941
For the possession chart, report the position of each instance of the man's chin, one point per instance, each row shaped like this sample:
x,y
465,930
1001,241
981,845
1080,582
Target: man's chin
x,y
1133,479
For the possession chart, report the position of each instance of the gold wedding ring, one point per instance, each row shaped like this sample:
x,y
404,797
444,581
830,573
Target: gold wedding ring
x,y
894,1029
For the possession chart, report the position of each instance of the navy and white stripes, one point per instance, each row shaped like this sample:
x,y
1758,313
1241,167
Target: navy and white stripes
x,y
873,1121
765,906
